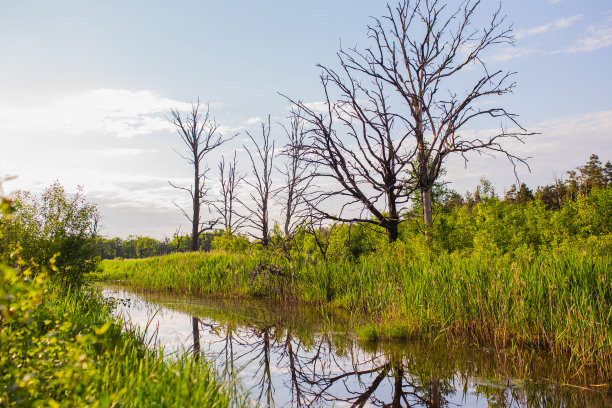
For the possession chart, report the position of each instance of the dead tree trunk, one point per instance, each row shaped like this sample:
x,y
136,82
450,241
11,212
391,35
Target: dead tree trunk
x,y
262,163
200,135
225,205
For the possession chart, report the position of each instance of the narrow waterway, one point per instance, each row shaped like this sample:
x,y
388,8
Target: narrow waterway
x,y
283,355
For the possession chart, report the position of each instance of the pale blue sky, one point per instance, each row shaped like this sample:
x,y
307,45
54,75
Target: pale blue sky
x,y
85,87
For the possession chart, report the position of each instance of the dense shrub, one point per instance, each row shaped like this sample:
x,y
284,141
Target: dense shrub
x,y
55,228
61,348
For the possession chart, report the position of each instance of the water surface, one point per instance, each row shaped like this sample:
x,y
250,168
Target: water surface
x,y
284,354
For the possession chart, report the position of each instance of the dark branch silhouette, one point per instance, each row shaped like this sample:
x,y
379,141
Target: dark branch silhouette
x,y
418,50
258,207
376,154
199,133
225,205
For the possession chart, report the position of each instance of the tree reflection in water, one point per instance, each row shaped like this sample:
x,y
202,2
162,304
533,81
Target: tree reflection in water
x,y
285,355
324,370
316,374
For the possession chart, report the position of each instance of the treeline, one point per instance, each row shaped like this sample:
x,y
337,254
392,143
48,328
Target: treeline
x,y
134,247
580,182
578,205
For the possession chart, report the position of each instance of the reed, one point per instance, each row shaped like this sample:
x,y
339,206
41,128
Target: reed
x,y
557,299
65,349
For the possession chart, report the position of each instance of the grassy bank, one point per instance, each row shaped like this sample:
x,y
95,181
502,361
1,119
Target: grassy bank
x,y
62,348
558,299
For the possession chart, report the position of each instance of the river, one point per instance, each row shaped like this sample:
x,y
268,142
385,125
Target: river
x,y
283,354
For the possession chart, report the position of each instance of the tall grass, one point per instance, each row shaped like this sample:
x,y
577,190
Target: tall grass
x,y
65,349
558,299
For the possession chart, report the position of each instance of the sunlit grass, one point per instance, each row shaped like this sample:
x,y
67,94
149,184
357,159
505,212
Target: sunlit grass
x,y
560,300
65,349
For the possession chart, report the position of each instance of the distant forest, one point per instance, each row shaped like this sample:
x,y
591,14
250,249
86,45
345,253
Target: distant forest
x,y
580,182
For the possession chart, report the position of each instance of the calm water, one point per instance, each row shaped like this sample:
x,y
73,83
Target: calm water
x,y
284,355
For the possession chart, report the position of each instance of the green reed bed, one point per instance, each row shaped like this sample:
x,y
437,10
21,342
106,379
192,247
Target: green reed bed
x,y
559,300
62,348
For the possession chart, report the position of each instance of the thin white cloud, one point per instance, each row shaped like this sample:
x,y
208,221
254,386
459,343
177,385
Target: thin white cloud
x,y
509,53
121,152
253,120
559,145
118,112
229,130
597,36
554,1
566,22
558,24
318,106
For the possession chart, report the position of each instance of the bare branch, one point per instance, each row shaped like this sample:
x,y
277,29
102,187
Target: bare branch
x,y
199,133
262,163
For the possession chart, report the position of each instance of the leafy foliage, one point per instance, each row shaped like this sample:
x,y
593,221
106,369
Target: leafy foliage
x,y
65,349
55,227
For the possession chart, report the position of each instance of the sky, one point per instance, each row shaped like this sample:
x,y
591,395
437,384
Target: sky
x,y
86,89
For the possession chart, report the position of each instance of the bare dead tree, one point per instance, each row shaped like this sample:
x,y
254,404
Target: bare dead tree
x,y
292,194
178,234
200,134
419,50
297,177
354,145
262,163
225,205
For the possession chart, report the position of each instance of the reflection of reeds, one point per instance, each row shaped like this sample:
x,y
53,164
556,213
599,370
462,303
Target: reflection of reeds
x,y
255,333
558,301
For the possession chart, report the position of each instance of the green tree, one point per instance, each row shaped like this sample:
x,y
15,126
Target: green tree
x,y
522,196
55,231
592,175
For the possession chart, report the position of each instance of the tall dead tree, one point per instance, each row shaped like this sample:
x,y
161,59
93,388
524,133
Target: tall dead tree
x,y
361,160
262,163
292,194
420,48
226,203
199,133
402,99
297,177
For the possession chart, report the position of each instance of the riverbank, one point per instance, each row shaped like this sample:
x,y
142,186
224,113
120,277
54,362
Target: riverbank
x,y
302,350
65,348
553,299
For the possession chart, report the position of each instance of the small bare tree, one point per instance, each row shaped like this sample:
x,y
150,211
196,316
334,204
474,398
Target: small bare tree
x,y
292,194
178,236
200,134
321,233
226,204
297,177
262,163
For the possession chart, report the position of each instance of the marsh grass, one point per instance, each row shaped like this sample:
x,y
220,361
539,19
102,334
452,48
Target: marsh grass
x,y
64,348
554,299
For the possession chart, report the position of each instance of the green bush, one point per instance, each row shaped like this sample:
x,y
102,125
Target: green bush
x,y
55,227
65,349
230,242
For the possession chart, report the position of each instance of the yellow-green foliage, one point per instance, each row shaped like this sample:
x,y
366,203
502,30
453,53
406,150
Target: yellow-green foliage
x,y
500,272
64,349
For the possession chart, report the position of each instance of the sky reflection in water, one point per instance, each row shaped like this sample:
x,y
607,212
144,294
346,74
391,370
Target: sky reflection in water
x,y
285,355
